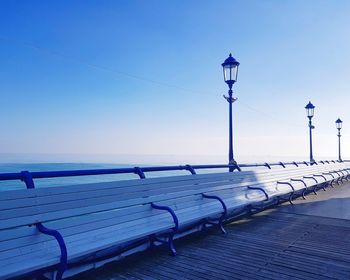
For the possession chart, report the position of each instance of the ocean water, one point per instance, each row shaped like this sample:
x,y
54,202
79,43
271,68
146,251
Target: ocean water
x,y
52,182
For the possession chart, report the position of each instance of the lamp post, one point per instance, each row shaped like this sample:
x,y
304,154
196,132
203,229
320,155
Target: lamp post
x,y
339,125
310,113
230,68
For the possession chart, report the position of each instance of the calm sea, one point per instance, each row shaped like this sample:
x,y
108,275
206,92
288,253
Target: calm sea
x,y
52,182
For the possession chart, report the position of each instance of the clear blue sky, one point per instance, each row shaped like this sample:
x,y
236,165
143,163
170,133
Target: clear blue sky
x,y
144,78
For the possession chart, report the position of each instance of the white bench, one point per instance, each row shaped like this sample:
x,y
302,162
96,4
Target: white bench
x,y
94,217
90,218
279,185
302,179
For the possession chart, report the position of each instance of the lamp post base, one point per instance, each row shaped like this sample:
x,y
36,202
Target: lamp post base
x,y
312,162
233,166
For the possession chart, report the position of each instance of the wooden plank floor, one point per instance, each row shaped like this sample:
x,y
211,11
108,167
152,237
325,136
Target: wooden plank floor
x,y
275,244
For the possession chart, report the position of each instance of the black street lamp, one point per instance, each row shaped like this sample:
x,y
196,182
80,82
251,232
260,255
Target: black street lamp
x,y
230,67
339,125
310,113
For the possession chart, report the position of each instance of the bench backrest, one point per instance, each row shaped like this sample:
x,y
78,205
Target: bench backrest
x,y
24,207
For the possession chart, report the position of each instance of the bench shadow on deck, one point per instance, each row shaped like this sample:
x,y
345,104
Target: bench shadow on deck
x,y
274,244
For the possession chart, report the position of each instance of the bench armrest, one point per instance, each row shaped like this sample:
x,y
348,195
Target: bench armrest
x,y
64,256
219,199
171,211
260,189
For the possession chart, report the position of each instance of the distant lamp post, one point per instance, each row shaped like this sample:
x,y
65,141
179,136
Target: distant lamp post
x,y
339,125
230,67
310,113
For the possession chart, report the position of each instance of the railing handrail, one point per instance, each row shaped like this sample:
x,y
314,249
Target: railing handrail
x,y
139,170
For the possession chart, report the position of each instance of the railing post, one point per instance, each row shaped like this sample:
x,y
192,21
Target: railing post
x,y
28,179
191,169
139,172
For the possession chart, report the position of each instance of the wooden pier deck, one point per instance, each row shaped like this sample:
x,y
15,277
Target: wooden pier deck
x,y
308,240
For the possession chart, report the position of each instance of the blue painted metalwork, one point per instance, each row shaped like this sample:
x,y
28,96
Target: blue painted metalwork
x,y
328,173
295,164
341,176
234,166
90,172
224,214
321,161
171,211
325,179
339,124
327,161
310,113
24,175
346,176
139,172
219,199
332,181
341,171
260,189
27,178
286,183
190,168
170,241
347,171
306,188
64,256
293,190
320,175
281,163
305,163
230,68
271,164
313,178
267,165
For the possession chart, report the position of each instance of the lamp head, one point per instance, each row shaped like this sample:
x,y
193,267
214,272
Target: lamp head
x,y
310,110
339,123
230,67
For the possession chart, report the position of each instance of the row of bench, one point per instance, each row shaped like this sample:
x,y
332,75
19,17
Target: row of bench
x,y
52,229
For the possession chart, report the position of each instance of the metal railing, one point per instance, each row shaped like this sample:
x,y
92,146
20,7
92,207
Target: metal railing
x,y
27,176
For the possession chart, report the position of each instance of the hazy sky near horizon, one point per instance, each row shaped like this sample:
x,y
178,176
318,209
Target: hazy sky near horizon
x,y
144,77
